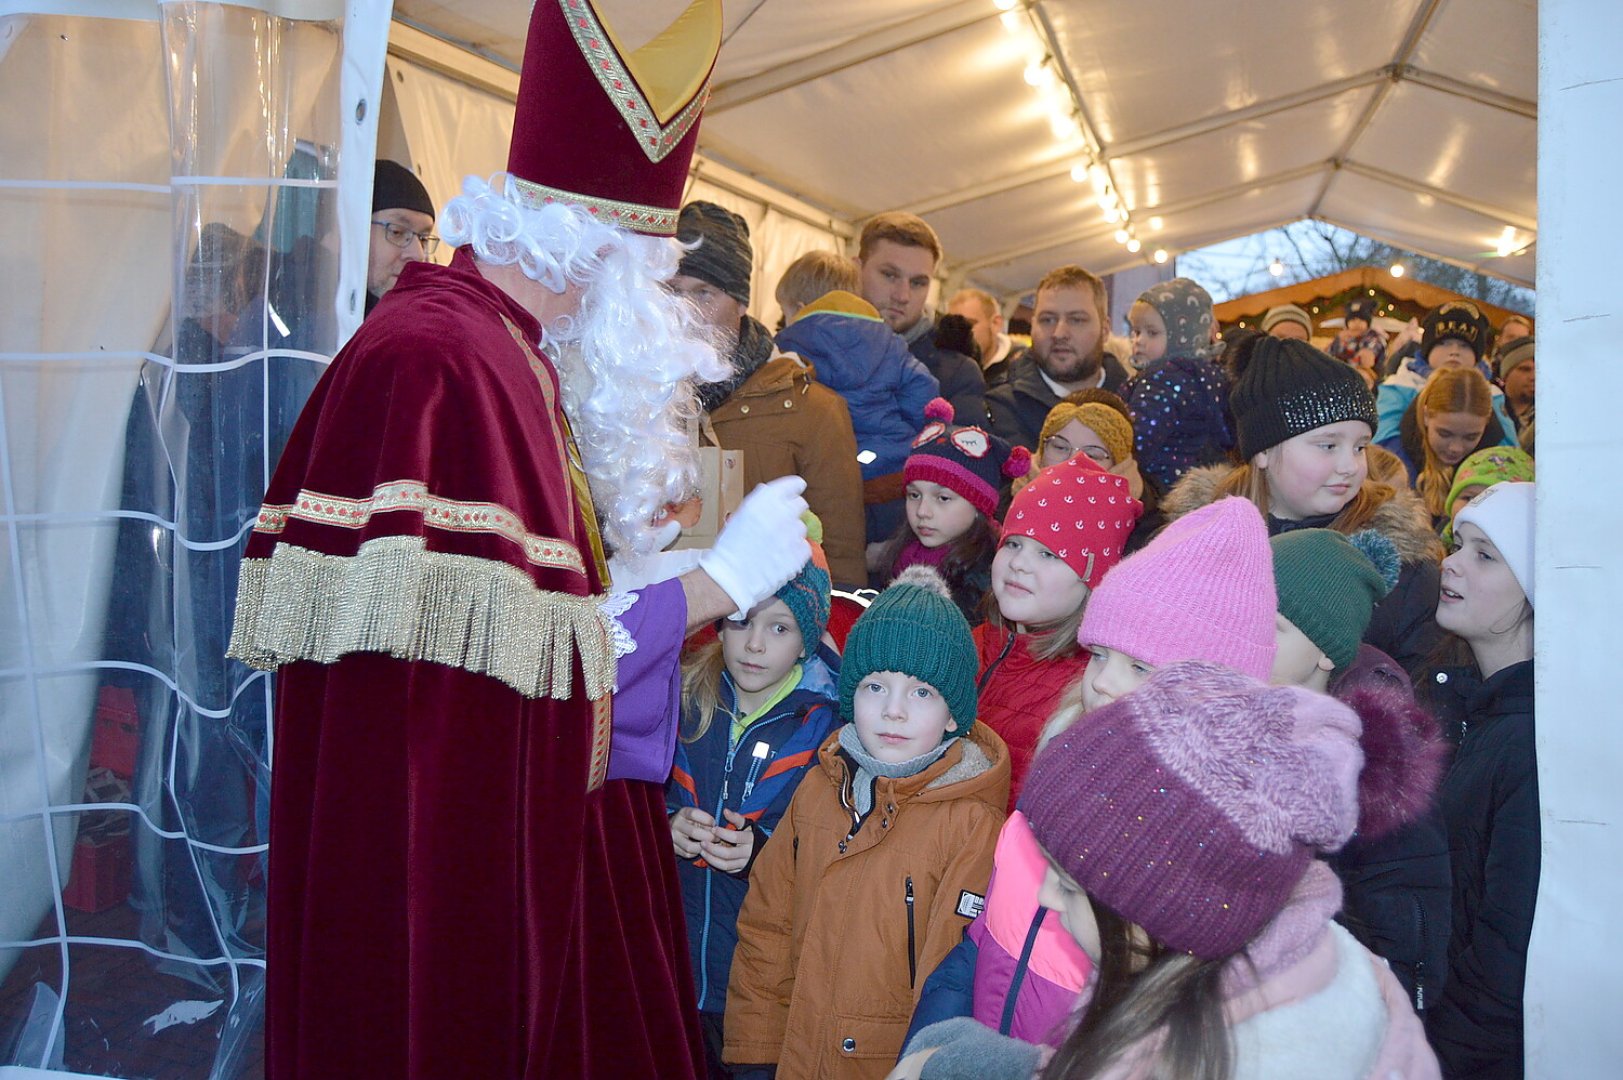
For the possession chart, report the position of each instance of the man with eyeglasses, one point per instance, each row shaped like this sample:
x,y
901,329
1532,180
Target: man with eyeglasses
x,y
402,215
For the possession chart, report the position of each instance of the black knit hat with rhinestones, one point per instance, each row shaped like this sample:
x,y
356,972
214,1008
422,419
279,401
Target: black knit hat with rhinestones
x,y
1284,387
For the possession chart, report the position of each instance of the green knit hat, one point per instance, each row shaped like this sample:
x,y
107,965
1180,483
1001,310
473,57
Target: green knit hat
x,y
1329,584
808,594
1489,466
915,628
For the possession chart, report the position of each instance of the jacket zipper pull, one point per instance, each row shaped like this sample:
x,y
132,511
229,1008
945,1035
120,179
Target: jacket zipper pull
x,y
758,757
726,778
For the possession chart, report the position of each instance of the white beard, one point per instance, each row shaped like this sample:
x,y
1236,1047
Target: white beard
x,y
628,360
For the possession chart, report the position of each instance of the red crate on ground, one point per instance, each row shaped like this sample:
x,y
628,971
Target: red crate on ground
x,y
101,873
117,739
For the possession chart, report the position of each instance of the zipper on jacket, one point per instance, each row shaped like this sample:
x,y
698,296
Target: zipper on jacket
x,y
993,666
912,949
758,759
1007,1022
1420,961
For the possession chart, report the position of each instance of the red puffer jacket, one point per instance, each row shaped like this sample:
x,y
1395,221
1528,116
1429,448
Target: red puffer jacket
x,y
1018,693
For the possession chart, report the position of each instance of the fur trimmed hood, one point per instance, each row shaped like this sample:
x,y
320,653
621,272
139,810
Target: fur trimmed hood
x,y
1404,750
1402,519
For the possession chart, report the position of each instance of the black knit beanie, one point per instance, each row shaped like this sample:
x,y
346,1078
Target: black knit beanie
x,y
723,257
1458,319
395,187
1284,387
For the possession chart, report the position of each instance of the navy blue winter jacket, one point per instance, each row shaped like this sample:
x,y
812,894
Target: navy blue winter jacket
x,y
756,777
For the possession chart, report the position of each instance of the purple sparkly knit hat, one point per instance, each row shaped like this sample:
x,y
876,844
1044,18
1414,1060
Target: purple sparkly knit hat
x,y
1194,805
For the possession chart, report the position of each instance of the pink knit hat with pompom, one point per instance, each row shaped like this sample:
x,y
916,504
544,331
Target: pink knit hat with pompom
x,y
1203,589
1193,805
970,461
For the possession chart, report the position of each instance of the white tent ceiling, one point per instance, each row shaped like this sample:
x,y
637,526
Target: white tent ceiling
x,y
1411,121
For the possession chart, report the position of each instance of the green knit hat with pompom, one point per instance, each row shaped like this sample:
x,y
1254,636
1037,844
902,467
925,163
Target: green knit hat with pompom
x,y
1329,584
915,628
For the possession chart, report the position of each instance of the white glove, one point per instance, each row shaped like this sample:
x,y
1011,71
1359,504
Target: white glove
x,y
762,545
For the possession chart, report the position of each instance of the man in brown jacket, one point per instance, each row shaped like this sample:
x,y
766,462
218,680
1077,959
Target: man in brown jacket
x,y
772,408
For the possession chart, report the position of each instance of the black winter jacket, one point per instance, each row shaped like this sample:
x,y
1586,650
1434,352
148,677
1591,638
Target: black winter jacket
x,y
1395,870
1490,808
1017,406
960,378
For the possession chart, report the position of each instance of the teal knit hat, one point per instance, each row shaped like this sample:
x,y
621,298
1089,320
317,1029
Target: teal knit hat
x,y
1328,585
915,628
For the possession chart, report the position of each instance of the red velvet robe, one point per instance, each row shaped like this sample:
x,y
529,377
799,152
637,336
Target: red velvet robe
x,y
455,890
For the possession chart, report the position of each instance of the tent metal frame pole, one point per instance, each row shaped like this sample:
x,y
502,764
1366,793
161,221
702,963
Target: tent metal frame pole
x,y
1442,195
1418,22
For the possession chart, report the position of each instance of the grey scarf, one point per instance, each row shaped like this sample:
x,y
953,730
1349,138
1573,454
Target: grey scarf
x,y
870,768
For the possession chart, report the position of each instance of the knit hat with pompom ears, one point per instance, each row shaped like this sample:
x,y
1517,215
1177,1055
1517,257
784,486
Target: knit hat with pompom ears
x,y
969,461
914,627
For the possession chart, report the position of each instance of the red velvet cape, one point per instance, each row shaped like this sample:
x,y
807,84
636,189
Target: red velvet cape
x,y
454,889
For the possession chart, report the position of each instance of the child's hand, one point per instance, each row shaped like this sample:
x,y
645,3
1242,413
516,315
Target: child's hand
x,y
690,828
728,849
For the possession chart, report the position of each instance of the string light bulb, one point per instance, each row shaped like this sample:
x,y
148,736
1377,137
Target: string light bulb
x,y
1160,255
1397,270
1079,173
1121,236
1276,268
1133,244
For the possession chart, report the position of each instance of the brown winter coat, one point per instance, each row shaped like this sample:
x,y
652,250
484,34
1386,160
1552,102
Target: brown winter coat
x,y
821,984
786,422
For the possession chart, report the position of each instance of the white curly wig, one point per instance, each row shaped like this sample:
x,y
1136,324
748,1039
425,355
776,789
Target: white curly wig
x,y
628,361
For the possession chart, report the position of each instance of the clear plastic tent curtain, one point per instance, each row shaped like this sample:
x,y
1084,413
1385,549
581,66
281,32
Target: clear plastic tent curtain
x,y
169,190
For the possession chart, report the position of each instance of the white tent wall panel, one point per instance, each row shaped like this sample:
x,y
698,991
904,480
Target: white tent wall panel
x,y
761,37
1491,43
1435,138
843,141
87,273
452,130
1246,153
1574,982
1144,67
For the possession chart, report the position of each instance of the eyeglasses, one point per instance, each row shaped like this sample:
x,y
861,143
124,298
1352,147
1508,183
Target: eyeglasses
x,y
400,236
1063,448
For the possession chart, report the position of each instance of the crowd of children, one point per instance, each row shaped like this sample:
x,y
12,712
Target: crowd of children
x,y
1175,745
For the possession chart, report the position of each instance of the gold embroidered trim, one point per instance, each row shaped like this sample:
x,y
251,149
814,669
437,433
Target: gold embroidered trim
x,y
653,220
656,139
395,597
439,513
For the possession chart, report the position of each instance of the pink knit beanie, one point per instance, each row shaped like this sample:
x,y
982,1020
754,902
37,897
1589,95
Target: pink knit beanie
x,y
1194,805
1203,589
1079,512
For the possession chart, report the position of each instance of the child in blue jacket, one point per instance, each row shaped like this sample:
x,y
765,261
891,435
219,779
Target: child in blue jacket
x,y
885,386
756,704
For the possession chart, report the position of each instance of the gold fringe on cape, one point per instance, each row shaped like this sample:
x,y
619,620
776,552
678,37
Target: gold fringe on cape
x,y
394,596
